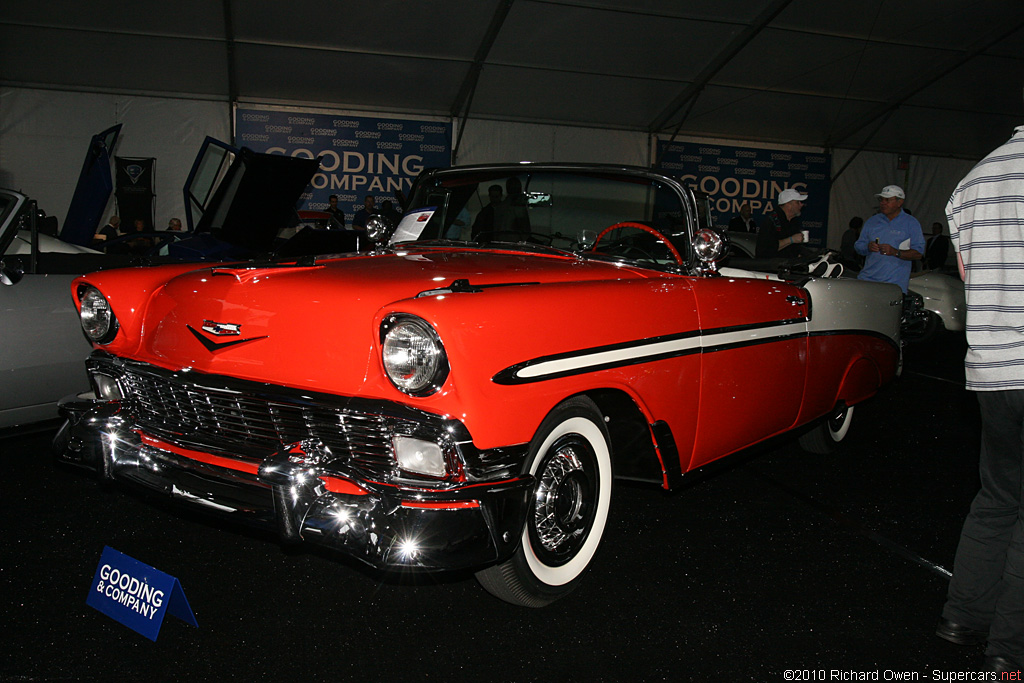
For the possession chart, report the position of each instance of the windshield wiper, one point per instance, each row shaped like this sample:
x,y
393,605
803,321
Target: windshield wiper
x,y
464,286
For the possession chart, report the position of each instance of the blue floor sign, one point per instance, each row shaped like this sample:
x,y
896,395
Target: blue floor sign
x,y
136,594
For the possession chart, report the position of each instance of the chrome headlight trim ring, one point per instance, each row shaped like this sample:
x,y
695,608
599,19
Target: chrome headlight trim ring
x,y
412,355
98,320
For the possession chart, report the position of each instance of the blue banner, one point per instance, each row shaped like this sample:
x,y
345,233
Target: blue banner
x,y
734,175
361,155
136,594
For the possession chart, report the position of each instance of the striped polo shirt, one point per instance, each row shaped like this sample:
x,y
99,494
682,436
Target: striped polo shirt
x,y
986,226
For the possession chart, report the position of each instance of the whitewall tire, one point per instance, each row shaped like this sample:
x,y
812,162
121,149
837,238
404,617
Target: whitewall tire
x,y
829,432
570,460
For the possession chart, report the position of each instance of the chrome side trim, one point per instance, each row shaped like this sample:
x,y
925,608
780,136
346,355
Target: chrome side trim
x,y
647,350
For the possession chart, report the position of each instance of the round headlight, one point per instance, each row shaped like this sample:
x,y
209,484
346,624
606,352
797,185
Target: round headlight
x,y
98,321
413,356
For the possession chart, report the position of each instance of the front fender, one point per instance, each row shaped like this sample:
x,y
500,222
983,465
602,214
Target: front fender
x,y
487,332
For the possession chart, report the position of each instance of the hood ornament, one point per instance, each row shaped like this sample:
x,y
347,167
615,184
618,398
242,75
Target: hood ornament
x,y
221,329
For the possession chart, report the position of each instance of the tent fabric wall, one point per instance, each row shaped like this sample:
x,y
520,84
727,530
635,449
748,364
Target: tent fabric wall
x,y
928,182
44,134
488,141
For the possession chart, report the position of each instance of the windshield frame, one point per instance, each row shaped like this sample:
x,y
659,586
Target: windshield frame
x,y
434,187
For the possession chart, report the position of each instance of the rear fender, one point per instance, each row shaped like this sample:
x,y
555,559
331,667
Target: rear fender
x,y
862,380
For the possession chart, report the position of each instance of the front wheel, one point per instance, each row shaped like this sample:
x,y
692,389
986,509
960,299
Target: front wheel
x,y
570,460
824,437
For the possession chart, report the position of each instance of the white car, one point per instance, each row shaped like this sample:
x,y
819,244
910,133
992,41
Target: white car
x,y
942,296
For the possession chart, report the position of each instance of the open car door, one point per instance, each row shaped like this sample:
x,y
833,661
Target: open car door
x,y
92,192
244,197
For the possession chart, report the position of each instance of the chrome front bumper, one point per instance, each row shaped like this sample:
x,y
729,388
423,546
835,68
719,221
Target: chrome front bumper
x,y
384,524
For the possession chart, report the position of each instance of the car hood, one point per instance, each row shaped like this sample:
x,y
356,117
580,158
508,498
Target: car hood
x,y
259,323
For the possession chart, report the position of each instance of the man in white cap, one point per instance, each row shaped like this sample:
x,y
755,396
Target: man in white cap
x,y
890,240
780,229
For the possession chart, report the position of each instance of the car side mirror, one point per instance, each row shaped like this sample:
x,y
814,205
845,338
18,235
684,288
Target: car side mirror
x,y
379,229
709,247
10,275
586,239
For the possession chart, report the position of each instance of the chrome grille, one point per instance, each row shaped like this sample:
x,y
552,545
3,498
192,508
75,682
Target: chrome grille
x,y
256,423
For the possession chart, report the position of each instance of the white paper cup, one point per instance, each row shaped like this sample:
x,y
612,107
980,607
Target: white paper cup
x,y
807,235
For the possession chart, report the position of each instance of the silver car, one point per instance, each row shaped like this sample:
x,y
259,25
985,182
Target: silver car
x,y
41,344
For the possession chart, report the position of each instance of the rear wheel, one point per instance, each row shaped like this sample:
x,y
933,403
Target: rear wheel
x,y
824,437
570,460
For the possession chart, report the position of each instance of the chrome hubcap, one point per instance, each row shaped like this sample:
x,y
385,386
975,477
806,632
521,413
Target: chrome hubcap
x,y
835,423
561,509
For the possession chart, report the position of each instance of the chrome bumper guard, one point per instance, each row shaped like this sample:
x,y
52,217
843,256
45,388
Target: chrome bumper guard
x,y
383,524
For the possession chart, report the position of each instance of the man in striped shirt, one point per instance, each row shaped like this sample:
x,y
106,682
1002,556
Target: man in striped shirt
x,y
986,224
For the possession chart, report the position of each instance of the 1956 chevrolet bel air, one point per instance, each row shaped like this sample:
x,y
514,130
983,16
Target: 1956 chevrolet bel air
x,y
465,395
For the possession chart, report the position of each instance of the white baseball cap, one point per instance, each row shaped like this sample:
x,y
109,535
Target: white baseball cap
x,y
892,191
791,195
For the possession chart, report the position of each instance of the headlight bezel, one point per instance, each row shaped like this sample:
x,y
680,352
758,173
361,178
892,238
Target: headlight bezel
x,y
104,332
435,372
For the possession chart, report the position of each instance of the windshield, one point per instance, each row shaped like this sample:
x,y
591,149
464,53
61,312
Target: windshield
x,y
563,209
10,214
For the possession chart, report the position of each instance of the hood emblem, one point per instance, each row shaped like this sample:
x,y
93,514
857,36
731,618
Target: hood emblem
x,y
221,329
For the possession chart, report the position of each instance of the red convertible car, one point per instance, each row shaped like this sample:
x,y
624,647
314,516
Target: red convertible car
x,y
465,395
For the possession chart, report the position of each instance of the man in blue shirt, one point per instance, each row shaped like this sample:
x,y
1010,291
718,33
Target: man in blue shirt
x,y
890,240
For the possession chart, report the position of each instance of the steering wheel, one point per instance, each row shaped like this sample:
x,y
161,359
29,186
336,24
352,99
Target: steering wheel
x,y
646,228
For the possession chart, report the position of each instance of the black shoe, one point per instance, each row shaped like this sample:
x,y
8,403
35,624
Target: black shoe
x,y
999,664
959,634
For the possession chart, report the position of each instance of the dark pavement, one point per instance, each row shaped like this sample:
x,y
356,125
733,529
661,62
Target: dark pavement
x,y
776,561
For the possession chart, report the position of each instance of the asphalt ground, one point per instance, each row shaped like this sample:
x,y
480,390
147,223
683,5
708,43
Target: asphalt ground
x,y
775,561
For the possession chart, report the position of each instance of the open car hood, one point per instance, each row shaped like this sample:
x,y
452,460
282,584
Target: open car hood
x,y
244,197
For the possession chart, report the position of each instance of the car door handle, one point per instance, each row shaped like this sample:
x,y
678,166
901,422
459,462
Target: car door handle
x,y
796,300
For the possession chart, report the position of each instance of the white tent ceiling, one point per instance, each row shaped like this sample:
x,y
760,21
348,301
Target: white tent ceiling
x,y
932,77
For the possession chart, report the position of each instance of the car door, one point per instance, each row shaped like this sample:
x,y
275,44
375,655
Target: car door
x,y
753,362
42,348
